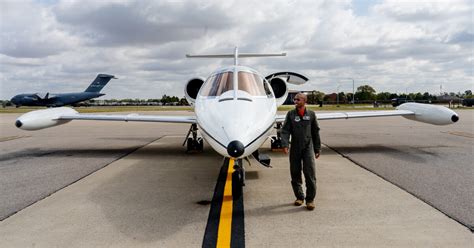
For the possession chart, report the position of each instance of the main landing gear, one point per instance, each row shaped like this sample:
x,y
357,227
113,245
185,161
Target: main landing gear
x,y
276,140
193,143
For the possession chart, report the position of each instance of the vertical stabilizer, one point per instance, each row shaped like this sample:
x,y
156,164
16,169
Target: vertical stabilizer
x,y
236,56
99,82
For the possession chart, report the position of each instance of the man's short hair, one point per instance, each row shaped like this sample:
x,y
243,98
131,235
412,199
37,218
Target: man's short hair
x,y
302,96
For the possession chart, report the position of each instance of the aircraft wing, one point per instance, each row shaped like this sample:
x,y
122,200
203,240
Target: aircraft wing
x,y
356,114
43,95
50,117
130,117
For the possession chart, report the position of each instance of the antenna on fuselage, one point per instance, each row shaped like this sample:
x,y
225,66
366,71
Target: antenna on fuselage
x,y
236,55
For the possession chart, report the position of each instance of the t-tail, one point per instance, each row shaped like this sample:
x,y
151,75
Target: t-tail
x,y
99,82
236,55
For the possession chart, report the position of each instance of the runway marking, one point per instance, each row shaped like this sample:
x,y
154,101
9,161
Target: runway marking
x,y
225,224
463,134
3,139
225,221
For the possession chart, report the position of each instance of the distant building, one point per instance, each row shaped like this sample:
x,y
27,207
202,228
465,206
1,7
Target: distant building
x,y
447,98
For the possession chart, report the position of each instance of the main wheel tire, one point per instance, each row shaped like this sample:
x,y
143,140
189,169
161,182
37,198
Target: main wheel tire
x,y
189,144
201,145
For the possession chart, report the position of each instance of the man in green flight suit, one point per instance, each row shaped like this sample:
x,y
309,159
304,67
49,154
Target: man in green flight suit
x,y
302,126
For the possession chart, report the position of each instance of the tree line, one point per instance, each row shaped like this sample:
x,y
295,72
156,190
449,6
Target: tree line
x,y
164,100
364,93
367,93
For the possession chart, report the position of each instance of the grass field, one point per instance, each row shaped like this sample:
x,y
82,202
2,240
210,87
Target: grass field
x,y
335,108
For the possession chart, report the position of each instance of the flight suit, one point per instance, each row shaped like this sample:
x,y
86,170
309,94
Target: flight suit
x,y
305,142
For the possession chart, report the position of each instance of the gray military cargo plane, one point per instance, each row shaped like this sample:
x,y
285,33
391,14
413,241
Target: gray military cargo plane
x,y
58,100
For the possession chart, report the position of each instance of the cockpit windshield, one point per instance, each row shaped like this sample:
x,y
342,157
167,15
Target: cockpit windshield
x,y
252,84
218,84
249,82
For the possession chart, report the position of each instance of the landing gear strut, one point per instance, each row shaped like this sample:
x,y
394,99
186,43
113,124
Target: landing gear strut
x,y
194,143
276,140
238,178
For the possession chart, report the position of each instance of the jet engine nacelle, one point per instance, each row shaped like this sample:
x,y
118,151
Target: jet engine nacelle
x,y
280,89
432,114
192,88
44,118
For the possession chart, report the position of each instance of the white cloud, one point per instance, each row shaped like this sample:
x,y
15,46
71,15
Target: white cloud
x,y
30,30
394,45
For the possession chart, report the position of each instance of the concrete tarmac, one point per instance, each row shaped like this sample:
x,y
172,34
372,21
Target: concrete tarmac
x,y
35,164
150,199
150,196
354,208
431,162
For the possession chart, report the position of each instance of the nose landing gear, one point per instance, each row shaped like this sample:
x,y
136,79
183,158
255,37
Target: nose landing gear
x,y
238,178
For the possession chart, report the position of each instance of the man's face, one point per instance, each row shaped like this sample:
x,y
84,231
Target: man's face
x,y
299,101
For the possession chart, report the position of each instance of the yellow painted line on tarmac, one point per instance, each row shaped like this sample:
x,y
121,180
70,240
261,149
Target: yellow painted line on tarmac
x,y
225,220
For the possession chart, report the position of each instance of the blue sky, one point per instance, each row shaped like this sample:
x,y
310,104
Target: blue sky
x,y
361,7
60,46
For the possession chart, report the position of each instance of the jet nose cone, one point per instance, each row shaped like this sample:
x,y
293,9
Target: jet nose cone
x,y
235,148
454,118
18,123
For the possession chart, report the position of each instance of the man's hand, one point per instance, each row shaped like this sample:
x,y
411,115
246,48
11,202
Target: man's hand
x,y
285,150
317,154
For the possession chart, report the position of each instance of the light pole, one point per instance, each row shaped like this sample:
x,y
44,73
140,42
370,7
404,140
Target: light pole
x,y
353,91
337,94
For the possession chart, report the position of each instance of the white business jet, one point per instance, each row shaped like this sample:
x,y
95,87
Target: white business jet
x,y
235,109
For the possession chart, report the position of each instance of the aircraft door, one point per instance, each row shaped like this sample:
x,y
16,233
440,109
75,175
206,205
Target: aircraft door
x,y
278,81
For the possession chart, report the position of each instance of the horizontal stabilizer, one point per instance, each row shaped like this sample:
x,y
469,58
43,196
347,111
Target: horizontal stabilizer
x,y
236,55
240,55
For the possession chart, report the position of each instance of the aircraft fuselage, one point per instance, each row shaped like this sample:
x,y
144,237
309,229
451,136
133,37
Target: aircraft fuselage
x,y
53,100
235,109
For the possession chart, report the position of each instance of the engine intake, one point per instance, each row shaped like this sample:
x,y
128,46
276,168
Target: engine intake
x,y
280,89
192,89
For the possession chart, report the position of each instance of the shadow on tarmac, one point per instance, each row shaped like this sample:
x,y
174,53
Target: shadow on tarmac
x,y
33,153
158,193
60,152
406,153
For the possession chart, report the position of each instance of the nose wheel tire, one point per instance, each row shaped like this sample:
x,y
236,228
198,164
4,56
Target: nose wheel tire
x,y
238,179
